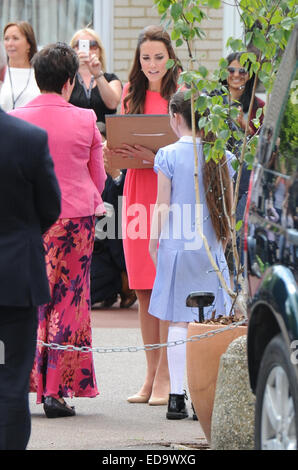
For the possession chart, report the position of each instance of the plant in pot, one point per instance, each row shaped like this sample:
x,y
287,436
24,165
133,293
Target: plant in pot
x,y
266,26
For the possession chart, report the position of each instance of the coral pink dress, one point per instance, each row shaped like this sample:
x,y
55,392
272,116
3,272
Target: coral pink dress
x,y
140,192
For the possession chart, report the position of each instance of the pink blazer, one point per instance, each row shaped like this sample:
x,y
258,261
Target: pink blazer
x,y
76,147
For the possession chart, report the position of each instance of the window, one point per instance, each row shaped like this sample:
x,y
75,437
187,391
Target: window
x,y
231,24
52,20
57,20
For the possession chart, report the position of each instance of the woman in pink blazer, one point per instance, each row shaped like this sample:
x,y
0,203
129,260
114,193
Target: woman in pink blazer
x,y
76,148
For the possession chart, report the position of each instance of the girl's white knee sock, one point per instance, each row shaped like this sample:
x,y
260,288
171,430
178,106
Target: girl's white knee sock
x,y
177,359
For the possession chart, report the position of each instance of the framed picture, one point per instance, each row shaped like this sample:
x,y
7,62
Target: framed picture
x,y
152,131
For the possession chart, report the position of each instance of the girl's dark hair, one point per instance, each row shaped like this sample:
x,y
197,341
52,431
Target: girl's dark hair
x,y
213,173
138,83
27,30
178,104
246,95
54,65
216,176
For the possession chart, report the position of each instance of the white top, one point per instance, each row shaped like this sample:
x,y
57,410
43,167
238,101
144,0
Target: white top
x,y
189,138
19,86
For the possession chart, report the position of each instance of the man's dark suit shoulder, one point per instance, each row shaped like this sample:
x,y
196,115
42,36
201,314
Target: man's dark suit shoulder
x,y
30,202
19,138
14,124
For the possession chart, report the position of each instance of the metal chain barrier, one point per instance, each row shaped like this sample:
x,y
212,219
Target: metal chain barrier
x,y
146,347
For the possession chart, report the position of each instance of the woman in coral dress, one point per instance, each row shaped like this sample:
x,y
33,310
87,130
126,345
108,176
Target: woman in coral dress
x,y
148,91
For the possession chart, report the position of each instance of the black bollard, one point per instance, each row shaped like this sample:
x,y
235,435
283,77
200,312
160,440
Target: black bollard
x,y
200,300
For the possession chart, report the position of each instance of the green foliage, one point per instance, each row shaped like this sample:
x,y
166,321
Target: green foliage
x,y
289,127
262,266
239,225
267,25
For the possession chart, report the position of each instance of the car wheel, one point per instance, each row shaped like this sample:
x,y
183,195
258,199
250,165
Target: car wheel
x,y
276,418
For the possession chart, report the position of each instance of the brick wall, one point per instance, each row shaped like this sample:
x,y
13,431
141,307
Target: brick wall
x,y
131,16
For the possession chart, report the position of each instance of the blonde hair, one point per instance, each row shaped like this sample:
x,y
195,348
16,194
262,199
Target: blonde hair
x,y
91,32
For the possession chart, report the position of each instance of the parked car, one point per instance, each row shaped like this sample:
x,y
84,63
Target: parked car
x,y
271,251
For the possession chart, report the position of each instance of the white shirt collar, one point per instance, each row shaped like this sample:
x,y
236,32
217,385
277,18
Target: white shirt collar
x,y
188,138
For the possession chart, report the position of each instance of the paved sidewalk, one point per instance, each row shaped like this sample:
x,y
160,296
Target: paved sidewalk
x,y
109,422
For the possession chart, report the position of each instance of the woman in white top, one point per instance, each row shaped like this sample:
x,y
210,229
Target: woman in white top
x,y
19,86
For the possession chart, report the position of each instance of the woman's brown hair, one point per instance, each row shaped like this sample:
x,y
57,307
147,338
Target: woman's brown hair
x,y
215,174
27,30
138,83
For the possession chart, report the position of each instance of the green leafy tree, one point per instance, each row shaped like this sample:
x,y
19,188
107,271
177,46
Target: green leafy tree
x,y
289,128
267,25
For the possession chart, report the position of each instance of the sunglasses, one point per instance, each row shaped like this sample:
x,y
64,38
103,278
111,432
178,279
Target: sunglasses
x,y
241,70
93,44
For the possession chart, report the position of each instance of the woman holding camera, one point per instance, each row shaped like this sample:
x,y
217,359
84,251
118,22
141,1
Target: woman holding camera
x,y
94,87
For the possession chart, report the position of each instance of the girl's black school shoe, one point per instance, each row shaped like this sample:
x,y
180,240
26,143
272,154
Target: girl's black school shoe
x,y
176,407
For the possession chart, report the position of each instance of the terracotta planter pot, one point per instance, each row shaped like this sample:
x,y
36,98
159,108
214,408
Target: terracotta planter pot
x,y
203,358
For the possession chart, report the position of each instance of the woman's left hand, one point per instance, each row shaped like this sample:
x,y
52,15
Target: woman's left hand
x,y
137,151
243,123
240,119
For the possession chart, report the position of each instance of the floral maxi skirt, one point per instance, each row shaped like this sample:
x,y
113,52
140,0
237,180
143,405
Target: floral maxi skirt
x,y
66,319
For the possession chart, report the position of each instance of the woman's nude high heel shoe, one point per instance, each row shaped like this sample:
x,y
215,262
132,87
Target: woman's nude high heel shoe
x,y
138,398
157,401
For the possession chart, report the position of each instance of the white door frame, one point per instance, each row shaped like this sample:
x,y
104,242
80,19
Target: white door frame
x,y
104,26
231,25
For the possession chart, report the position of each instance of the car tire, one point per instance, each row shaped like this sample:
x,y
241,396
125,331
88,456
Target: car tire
x,y
276,416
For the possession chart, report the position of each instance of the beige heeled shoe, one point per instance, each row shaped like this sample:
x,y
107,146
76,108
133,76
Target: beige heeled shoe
x,y
138,398
158,401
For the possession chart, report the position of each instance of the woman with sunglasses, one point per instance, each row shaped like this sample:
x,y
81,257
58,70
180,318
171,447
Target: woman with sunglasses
x,y
94,87
240,86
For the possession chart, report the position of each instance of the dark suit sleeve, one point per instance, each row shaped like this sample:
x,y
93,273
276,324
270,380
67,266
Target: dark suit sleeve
x,y
47,193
